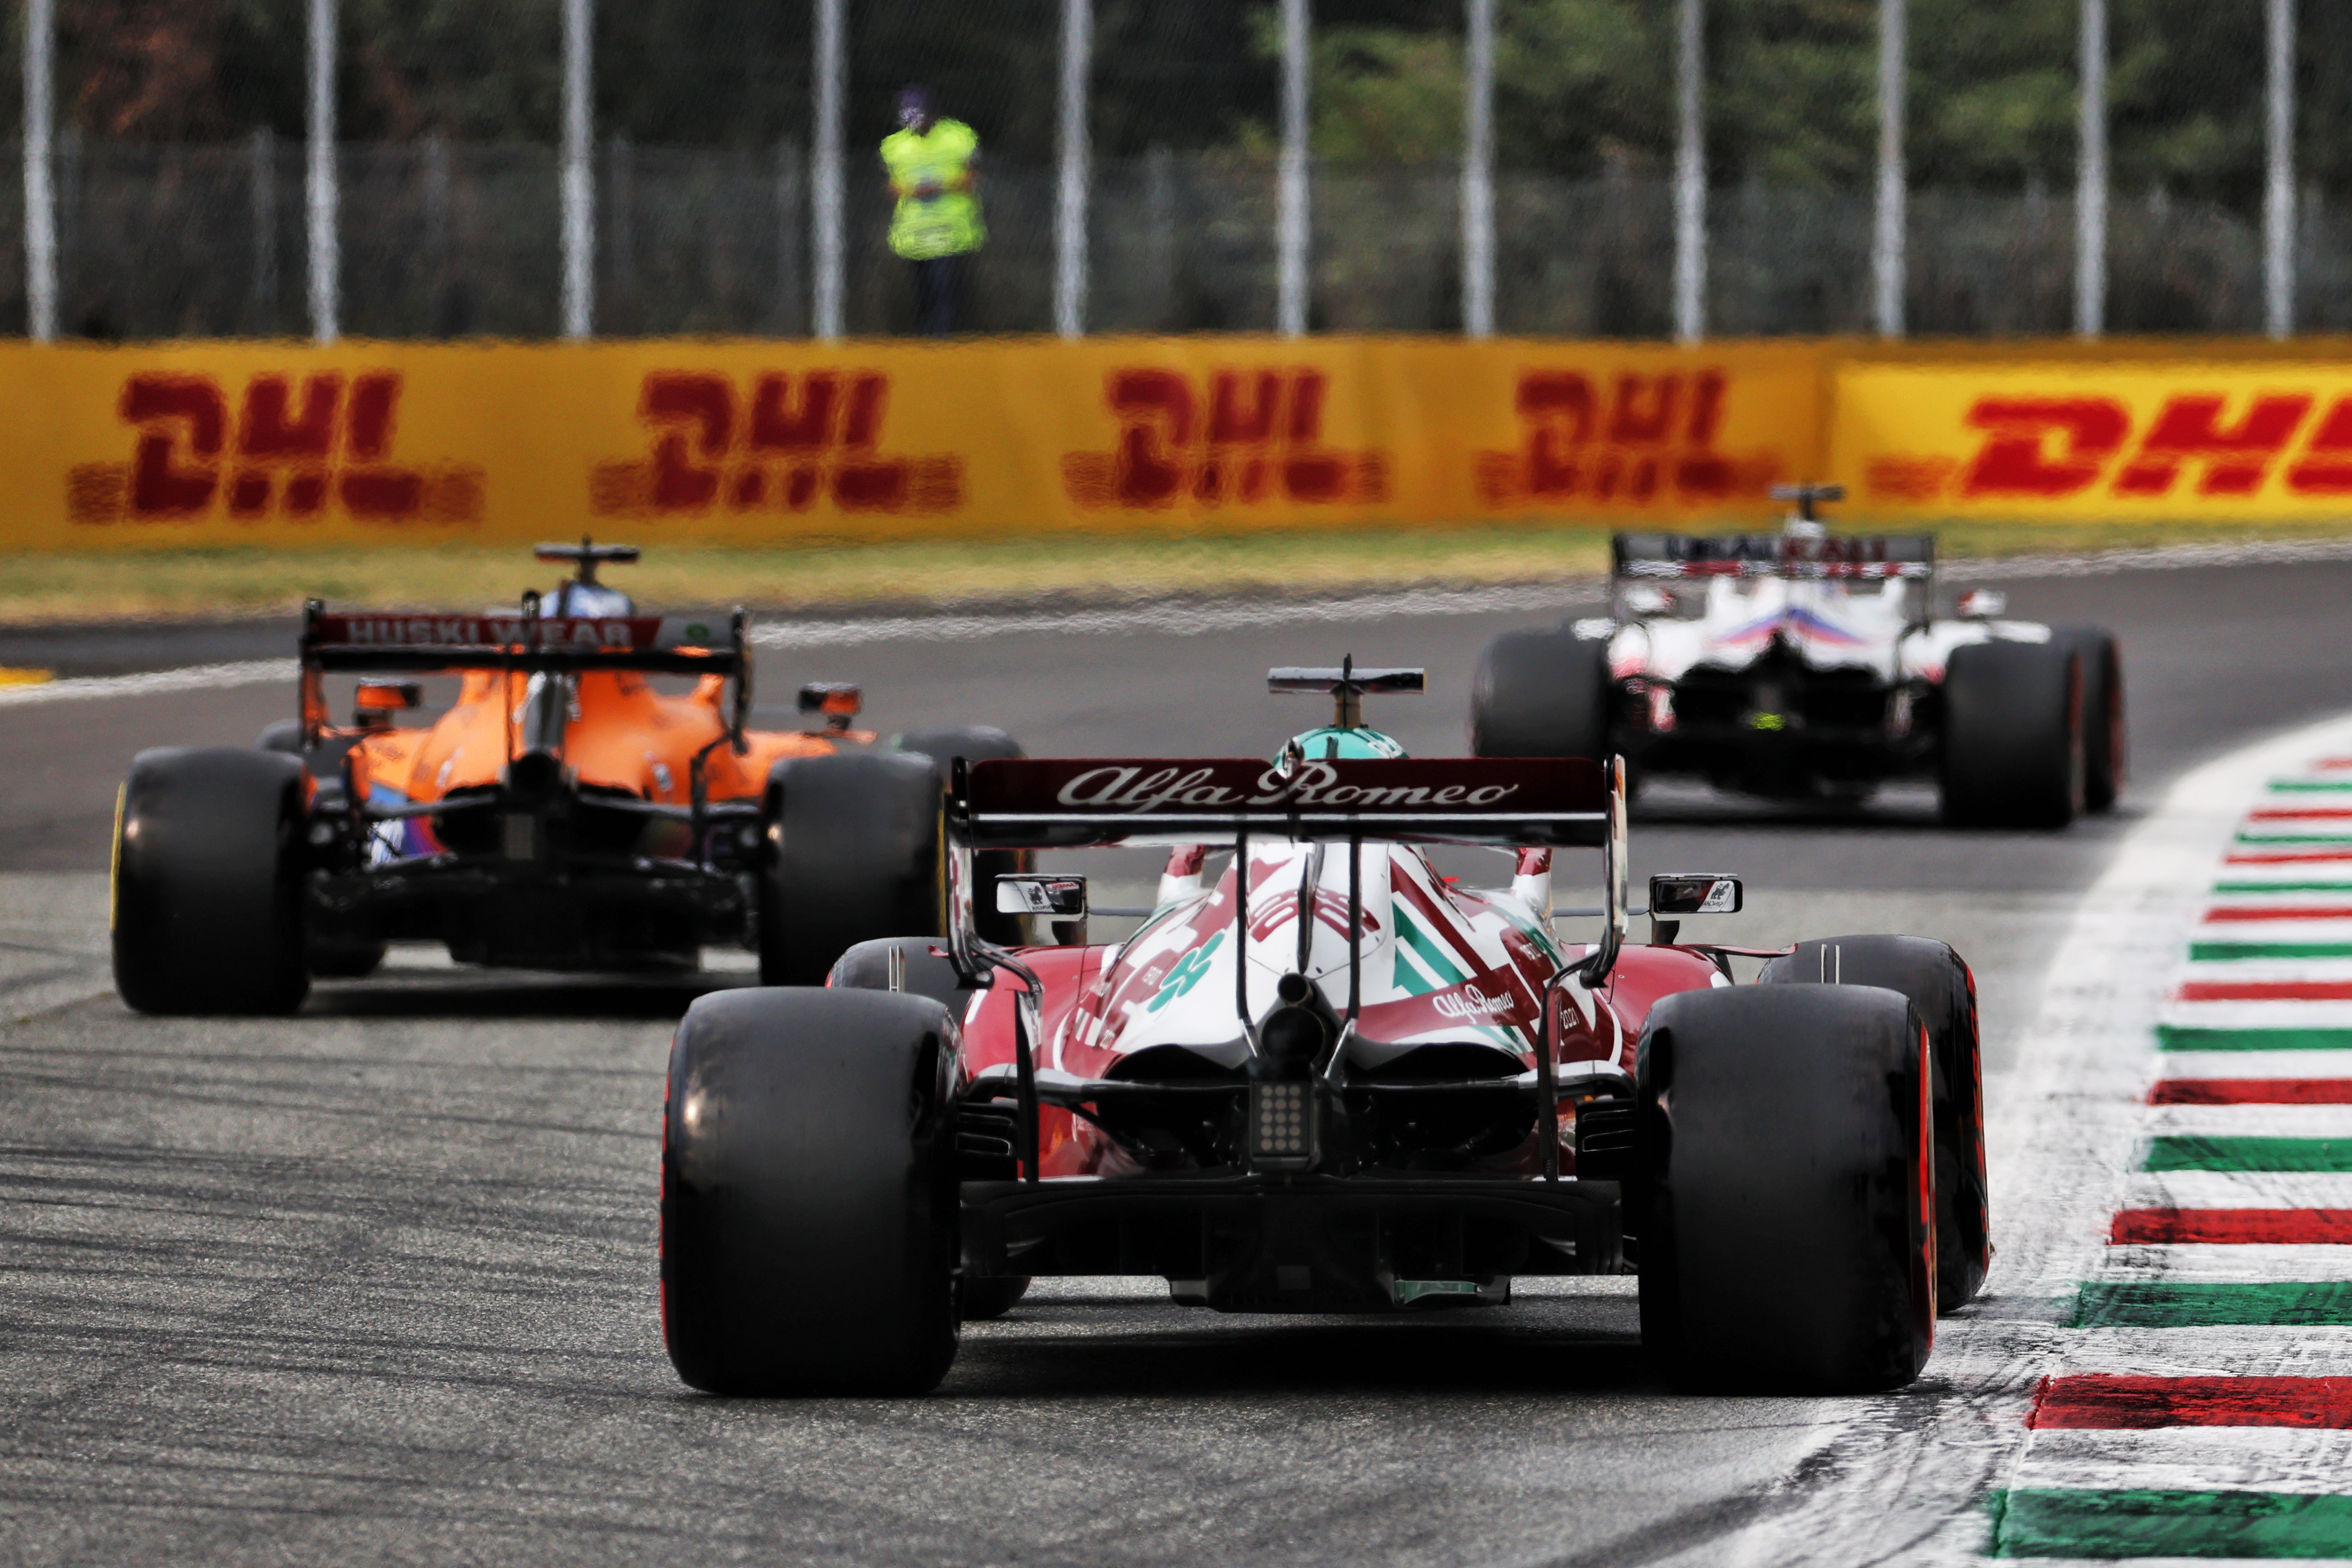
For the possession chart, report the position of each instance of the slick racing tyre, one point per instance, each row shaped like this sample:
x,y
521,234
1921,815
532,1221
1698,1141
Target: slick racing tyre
x,y
866,967
2013,736
1941,990
2104,752
854,852
978,743
346,960
208,882
1541,694
1788,1189
808,1207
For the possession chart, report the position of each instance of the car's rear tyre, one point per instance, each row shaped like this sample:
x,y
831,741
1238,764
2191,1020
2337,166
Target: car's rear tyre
x,y
1541,694
2013,736
2106,751
808,1207
1787,1193
852,852
978,743
924,972
1939,987
207,883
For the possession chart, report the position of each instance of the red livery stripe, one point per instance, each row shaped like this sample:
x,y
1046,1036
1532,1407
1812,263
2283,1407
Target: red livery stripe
x,y
2252,1091
2267,991
2279,912
2108,1401
2232,1227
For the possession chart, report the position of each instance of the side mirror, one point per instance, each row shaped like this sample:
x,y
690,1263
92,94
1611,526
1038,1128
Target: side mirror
x,y
1056,897
838,700
1983,604
377,701
1686,893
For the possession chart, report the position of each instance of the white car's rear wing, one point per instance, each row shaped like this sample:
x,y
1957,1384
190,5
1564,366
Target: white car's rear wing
x,y
1791,555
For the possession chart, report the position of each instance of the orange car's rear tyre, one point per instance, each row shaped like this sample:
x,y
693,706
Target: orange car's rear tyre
x,y
978,743
1943,992
808,1207
207,883
1786,1189
854,851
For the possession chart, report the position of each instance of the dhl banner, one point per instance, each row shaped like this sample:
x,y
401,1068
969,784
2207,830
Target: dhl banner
x,y
2267,438
753,443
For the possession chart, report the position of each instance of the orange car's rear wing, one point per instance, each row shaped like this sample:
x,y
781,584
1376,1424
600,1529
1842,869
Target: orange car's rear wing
x,y
522,641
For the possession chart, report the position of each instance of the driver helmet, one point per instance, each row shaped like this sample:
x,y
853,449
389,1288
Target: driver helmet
x,y
1362,743
591,600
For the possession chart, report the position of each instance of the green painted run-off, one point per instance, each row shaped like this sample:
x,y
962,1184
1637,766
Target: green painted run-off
x,y
2209,951
2136,1304
2179,1037
2196,1152
2132,1523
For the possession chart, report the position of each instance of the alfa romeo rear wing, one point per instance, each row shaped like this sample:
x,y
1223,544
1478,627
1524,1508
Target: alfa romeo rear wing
x,y
1867,557
1057,803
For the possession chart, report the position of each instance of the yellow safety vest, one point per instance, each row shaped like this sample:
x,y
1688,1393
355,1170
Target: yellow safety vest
x,y
944,224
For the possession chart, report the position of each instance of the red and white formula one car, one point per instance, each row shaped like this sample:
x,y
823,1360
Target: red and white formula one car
x,y
1321,1078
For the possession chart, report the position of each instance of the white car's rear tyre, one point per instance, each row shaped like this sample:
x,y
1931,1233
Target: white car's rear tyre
x,y
2106,754
2013,753
1541,694
1785,1199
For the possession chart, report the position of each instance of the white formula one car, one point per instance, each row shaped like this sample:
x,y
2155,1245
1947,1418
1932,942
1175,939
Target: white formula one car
x,y
1807,664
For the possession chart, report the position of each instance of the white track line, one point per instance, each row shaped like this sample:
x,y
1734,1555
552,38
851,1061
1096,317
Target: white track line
x,y
1183,619
195,678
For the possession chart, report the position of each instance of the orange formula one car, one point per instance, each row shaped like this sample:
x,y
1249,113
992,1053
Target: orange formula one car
x,y
565,812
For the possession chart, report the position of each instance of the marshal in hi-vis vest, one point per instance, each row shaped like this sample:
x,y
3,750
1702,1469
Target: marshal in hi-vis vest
x,y
949,223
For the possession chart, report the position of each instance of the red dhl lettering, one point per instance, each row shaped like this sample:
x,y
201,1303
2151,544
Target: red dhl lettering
x,y
291,452
1245,438
1645,440
2050,448
791,442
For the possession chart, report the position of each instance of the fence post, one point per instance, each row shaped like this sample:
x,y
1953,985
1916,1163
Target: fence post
x,y
326,255
1888,256
40,192
825,179
791,193
1690,174
2278,203
262,153
1070,208
578,186
2091,180
1478,171
1290,192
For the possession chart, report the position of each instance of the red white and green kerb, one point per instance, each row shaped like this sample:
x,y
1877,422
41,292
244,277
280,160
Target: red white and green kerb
x,y
2203,1406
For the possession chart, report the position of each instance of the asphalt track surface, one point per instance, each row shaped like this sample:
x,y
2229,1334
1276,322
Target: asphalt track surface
x,y
374,1284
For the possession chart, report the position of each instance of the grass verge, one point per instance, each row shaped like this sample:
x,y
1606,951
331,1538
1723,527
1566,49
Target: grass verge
x,y
246,581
